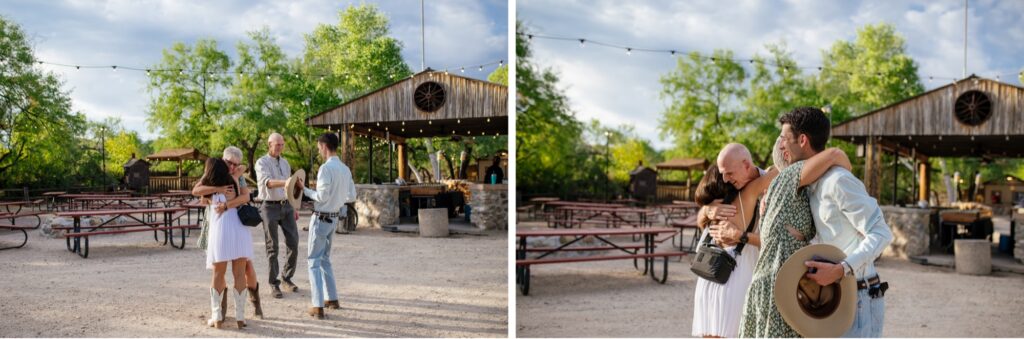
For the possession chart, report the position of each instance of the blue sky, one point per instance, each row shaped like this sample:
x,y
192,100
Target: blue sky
x,y
134,33
608,85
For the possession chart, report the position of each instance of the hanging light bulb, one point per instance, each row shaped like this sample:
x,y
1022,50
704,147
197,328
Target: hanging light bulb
x,y
462,69
488,119
672,53
583,43
430,122
114,67
458,121
181,72
501,63
481,68
378,124
78,67
147,72
403,123
629,51
529,37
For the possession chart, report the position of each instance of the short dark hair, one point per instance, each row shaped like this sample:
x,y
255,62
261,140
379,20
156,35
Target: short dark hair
x,y
811,122
330,140
713,186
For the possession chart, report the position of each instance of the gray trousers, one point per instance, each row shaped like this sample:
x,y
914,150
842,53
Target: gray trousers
x,y
280,216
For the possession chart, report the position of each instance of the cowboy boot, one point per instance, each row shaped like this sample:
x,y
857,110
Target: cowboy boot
x,y
254,297
224,304
217,317
332,304
239,297
316,312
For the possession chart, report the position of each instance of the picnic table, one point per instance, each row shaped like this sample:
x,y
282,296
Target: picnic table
x,y
644,250
170,198
571,216
553,216
53,196
78,233
113,202
7,205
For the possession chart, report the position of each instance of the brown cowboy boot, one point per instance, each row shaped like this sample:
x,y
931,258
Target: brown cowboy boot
x,y
254,297
316,312
332,304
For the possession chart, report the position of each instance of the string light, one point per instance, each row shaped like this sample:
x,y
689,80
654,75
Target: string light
x,y
672,52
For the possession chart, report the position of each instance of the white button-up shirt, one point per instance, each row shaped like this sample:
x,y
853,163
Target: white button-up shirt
x,y
847,217
270,168
334,187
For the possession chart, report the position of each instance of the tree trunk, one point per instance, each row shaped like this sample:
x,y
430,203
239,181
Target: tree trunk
x,y
433,158
467,150
448,161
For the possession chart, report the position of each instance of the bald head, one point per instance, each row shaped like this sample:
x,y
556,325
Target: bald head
x,y
736,165
275,144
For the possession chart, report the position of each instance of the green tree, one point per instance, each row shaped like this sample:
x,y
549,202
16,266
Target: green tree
x,y
703,109
868,73
549,155
189,94
499,76
38,131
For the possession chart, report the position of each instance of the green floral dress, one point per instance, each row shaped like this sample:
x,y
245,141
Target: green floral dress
x,y
785,205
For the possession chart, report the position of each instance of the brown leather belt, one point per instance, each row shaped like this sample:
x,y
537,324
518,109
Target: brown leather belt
x,y
864,284
274,202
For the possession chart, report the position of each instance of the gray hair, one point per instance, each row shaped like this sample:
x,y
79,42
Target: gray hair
x,y
232,152
777,157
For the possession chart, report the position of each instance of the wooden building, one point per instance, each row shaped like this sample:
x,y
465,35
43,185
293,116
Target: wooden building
x,y
974,117
182,181
679,190
427,104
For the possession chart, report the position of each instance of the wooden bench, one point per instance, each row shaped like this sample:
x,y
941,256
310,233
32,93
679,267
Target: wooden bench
x,y
168,232
523,265
24,233
683,225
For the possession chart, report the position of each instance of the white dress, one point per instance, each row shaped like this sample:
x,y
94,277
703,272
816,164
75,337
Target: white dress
x,y
227,238
717,308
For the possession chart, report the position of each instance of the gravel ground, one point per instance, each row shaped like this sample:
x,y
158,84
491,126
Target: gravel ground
x,y
390,285
611,299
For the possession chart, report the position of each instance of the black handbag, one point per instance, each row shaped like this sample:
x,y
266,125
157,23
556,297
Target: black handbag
x,y
249,214
714,262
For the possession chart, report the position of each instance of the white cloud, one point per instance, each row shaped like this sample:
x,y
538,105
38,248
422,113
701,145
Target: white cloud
x,y
134,33
605,84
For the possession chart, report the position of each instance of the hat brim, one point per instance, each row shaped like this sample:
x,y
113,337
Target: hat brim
x,y
289,188
786,284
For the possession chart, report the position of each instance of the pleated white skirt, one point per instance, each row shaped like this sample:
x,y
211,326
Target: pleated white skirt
x,y
227,238
717,308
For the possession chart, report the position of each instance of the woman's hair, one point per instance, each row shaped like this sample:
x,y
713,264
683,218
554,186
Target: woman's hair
x,y
216,173
777,157
713,187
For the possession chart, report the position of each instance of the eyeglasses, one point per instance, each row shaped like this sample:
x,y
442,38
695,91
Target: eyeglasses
x,y
232,163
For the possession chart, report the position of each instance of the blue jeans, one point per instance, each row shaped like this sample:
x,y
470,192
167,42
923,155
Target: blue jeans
x,y
870,317
321,275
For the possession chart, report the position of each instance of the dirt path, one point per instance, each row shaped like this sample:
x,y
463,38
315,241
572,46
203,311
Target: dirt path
x,y
390,285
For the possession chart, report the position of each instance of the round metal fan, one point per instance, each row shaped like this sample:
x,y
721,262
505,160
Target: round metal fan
x,y
429,96
973,108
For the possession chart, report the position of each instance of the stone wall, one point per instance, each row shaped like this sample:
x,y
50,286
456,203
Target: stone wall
x,y
377,205
489,206
1018,241
909,227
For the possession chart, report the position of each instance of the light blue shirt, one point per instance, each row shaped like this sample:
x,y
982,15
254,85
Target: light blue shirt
x,y
846,217
334,187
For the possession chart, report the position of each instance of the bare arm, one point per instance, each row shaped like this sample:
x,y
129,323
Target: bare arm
x,y
760,185
200,190
820,163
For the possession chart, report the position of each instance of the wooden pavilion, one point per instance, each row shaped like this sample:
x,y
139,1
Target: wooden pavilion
x,y
974,117
427,104
673,190
179,155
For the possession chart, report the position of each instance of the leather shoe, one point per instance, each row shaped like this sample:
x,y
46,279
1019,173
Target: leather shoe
x,y
275,291
316,312
332,304
288,285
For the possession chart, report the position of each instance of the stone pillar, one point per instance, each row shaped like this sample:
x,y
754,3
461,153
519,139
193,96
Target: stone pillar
x,y
909,228
923,180
433,222
377,205
1018,234
489,206
403,161
973,256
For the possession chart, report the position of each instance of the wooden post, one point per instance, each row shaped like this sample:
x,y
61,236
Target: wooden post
x,y
895,174
686,195
347,146
871,170
923,180
402,162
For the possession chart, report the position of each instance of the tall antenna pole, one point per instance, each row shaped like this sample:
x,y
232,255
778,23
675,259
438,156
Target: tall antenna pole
x,y
423,42
965,39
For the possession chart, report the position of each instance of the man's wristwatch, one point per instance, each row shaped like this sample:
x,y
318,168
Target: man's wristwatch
x,y
847,270
743,238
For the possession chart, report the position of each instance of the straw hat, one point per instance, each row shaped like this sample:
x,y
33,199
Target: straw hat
x,y
811,309
294,194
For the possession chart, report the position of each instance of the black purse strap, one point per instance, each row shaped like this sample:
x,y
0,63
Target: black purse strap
x,y
753,220
247,203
